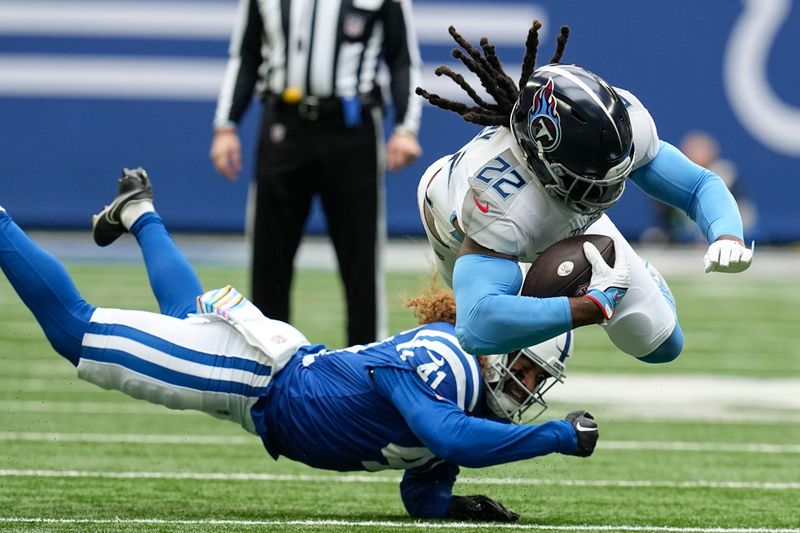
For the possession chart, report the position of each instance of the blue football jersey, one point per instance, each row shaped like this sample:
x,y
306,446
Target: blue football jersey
x,y
325,410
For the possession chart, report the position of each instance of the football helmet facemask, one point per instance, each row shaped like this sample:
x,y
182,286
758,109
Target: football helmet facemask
x,y
506,394
576,136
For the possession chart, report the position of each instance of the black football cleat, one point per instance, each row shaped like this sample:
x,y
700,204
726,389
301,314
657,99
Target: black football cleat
x,y
134,185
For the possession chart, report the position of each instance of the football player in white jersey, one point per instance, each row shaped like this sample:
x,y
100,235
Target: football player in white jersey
x,y
558,150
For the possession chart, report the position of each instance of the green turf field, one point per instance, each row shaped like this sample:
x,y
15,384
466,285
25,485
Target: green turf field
x,y
75,457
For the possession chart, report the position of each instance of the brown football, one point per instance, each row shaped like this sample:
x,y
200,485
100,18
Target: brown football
x,y
563,270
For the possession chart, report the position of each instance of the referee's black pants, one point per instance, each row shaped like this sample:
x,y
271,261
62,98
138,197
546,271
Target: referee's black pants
x,y
297,159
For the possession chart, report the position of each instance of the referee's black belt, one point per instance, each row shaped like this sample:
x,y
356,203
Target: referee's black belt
x,y
312,108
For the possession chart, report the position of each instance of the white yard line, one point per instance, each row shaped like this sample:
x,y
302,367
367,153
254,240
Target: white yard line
x,y
699,446
663,414
681,393
402,254
133,438
182,20
669,397
377,478
129,438
389,524
89,408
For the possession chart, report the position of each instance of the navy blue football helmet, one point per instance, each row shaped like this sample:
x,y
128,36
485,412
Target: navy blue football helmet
x,y
575,133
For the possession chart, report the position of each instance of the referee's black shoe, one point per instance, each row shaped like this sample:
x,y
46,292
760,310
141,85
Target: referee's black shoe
x,y
133,186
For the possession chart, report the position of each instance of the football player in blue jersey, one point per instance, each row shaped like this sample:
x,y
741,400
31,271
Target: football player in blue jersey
x,y
556,152
415,401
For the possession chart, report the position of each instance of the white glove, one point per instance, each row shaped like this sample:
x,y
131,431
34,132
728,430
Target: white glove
x,y
608,285
727,255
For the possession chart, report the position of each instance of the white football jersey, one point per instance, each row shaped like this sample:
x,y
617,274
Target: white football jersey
x,y
492,195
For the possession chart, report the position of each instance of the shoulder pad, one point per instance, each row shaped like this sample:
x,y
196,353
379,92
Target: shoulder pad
x,y
645,135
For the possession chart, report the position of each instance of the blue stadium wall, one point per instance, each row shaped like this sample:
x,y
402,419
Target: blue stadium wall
x,y
87,87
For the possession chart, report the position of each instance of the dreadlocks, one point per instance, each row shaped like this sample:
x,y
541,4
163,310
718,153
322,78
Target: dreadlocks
x,y
490,72
433,304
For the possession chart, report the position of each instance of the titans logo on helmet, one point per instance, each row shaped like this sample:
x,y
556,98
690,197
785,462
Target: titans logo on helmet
x,y
543,119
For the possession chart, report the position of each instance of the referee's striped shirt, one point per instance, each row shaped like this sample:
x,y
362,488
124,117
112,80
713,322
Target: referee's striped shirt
x,y
324,48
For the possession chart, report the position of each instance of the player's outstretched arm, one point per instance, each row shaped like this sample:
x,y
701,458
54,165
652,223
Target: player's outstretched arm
x,y
674,179
452,435
468,441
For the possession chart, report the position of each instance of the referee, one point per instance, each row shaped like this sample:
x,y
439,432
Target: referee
x,y
314,65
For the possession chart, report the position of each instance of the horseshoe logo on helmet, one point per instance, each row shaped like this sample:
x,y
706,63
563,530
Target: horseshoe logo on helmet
x,y
543,120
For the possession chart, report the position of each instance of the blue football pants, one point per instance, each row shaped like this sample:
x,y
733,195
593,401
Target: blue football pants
x,y
46,288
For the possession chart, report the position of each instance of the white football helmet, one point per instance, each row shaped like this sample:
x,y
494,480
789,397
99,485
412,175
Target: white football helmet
x,y
551,356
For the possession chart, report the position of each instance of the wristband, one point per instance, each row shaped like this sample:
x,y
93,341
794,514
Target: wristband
x,y
606,300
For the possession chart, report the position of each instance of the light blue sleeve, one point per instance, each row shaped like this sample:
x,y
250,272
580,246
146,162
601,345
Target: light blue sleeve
x,y
674,179
491,318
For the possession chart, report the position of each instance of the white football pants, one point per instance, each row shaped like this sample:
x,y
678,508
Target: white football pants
x,y
179,363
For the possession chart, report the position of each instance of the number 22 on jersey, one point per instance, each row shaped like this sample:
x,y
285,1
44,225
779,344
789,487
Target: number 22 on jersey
x,y
501,176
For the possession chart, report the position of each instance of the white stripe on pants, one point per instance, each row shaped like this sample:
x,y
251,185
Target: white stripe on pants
x,y
179,363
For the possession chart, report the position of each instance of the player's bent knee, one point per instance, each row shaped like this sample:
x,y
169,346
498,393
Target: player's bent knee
x,y
669,350
65,328
65,347
66,342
